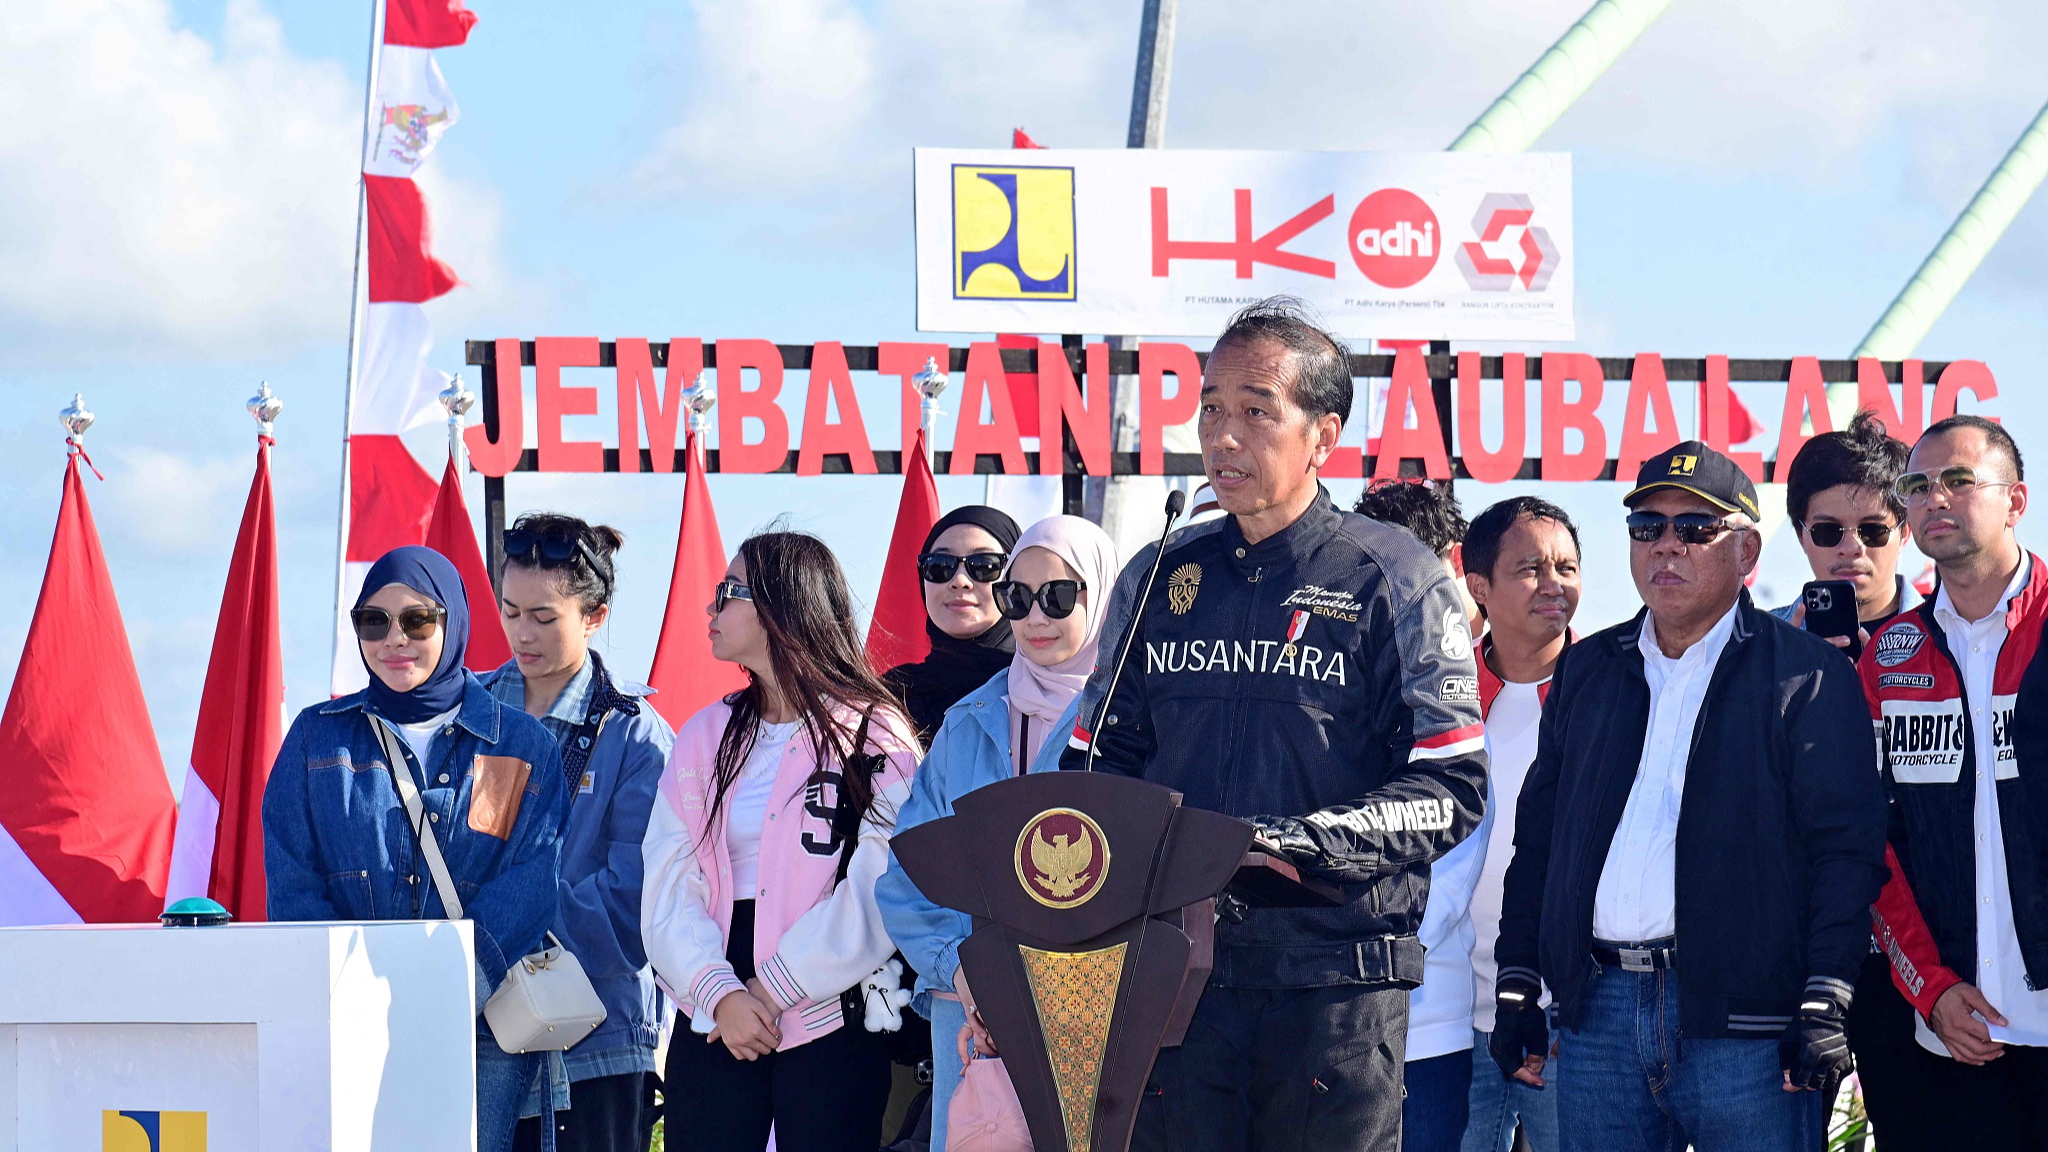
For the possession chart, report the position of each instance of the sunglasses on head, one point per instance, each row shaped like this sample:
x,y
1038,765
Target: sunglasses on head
x,y
373,625
1692,527
982,567
1958,480
552,549
729,590
1827,533
1058,597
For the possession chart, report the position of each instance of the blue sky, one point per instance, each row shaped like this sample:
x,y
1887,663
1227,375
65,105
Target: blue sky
x,y
177,186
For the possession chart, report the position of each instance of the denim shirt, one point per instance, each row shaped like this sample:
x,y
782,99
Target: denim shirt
x,y
598,916
336,844
971,749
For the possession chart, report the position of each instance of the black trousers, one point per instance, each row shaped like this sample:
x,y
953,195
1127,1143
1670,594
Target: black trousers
x,y
1279,1070
606,1114
1907,1090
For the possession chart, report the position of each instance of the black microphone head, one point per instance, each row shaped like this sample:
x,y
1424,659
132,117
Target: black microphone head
x,y
1175,501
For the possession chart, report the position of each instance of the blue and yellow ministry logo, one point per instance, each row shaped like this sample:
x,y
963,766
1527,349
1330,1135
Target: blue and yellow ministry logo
x,y
152,1132
1013,232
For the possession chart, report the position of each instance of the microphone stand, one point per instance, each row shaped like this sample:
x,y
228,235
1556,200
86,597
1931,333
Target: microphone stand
x,y
1175,501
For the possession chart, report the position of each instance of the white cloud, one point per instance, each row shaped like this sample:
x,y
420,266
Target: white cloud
x,y
176,504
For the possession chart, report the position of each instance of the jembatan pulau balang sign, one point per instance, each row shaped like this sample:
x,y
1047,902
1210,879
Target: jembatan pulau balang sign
x,y
989,431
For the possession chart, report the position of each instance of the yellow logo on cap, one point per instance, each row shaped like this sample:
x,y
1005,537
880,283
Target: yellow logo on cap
x,y
1684,465
1013,233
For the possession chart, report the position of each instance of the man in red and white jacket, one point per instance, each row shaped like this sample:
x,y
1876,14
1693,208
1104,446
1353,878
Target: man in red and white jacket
x,y
1961,707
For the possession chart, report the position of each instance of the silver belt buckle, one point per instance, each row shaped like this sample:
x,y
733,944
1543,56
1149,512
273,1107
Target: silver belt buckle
x,y
1637,959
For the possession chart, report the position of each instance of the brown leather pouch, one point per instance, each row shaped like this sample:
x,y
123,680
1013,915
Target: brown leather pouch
x,y
497,787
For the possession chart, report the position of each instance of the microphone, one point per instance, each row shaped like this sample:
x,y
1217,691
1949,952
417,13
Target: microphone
x,y
1175,501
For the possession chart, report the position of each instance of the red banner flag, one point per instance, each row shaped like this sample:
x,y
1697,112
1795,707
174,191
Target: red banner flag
x,y
685,677
85,807
896,633
451,534
427,23
403,267
219,851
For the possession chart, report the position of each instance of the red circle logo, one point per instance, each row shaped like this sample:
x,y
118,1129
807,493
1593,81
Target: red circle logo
x,y
1062,858
1394,238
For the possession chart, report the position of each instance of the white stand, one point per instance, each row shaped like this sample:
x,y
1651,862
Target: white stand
x,y
316,1037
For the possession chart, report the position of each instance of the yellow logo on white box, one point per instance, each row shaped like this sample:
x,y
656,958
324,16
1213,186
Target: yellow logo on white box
x,y
135,1131
1013,233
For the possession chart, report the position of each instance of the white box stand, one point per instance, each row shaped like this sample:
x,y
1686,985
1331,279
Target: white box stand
x,y
315,1037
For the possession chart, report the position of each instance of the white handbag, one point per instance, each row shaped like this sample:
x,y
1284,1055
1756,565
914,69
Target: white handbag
x,y
546,1002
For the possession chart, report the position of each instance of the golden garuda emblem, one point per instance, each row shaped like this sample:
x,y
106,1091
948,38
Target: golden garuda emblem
x,y
1062,858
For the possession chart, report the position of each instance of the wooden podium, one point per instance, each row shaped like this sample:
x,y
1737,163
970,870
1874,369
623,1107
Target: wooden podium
x,y
1093,902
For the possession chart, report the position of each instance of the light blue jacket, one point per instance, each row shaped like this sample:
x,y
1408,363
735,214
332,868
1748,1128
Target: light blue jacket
x,y
971,748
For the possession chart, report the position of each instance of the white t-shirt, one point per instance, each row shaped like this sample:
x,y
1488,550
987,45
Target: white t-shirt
x,y
420,737
1511,727
747,805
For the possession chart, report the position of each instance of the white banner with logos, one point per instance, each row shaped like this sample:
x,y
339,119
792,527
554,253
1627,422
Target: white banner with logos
x,y
1160,242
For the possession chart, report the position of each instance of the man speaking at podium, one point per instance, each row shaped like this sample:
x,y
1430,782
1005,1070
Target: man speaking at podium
x,y
1311,671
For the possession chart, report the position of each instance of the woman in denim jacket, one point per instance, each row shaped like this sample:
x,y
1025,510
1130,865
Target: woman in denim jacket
x,y
337,844
555,594
1058,579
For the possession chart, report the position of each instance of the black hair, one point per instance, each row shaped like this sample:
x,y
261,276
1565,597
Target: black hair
x,y
577,577
1489,528
2000,439
1427,508
1865,456
1322,365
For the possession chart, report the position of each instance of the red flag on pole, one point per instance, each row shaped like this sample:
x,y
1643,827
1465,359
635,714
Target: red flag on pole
x,y
896,634
427,23
451,534
219,850
85,807
685,677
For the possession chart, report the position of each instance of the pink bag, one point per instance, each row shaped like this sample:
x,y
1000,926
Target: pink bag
x,y
984,1115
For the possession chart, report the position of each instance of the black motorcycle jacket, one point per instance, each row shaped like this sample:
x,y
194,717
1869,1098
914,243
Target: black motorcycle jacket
x,y
1323,676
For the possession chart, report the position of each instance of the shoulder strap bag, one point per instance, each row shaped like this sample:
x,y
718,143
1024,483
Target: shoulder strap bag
x,y
546,1002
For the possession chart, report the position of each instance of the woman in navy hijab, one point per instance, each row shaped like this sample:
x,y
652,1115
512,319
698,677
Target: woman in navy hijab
x,y
338,844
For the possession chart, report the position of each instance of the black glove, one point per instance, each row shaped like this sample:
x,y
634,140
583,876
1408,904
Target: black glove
x,y
1290,836
1814,1050
1519,1028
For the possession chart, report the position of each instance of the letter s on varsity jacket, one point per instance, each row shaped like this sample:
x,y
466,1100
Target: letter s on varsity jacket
x,y
1324,673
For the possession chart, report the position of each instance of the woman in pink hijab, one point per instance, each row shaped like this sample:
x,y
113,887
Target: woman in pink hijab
x,y
1058,582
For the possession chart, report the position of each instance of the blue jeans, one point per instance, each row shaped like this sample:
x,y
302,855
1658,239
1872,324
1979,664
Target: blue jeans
x,y
1433,1101
948,1017
1636,1086
1499,1104
502,1080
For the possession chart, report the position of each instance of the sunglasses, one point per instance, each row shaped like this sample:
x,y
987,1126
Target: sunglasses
x,y
728,591
552,549
1692,527
373,625
982,567
1959,480
1827,534
1057,597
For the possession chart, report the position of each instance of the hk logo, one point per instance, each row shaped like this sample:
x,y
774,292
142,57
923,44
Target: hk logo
x,y
1013,233
1532,261
152,1132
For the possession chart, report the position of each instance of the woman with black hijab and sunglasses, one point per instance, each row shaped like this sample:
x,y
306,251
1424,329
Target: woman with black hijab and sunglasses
x,y
963,554
340,844
555,594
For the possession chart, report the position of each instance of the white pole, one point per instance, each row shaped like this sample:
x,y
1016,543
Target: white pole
x,y
1559,77
355,321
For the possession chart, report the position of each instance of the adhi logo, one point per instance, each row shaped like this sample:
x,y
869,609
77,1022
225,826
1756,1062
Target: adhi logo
x,y
1497,213
1394,238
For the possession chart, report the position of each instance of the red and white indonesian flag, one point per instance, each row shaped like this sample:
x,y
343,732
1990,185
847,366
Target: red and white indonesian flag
x,y
391,496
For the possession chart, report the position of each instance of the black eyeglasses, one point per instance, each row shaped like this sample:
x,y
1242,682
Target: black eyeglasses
x,y
982,567
1692,527
1057,597
373,625
553,549
729,590
1827,533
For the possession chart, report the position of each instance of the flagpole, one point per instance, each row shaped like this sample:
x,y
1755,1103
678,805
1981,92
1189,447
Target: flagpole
x,y
356,307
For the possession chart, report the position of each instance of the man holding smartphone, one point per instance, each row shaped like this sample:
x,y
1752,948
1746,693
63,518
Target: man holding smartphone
x,y
1852,525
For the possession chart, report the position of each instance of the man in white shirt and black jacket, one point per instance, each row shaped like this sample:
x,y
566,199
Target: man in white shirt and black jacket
x,y
1697,849
1310,670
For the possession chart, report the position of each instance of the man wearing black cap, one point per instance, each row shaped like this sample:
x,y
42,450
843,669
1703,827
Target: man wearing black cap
x,y
1699,843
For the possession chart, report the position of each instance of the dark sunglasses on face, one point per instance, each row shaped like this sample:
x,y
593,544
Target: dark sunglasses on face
x,y
1827,533
552,550
373,625
729,590
1692,527
982,567
1057,597
1959,480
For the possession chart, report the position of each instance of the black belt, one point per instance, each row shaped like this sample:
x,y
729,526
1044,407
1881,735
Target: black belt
x,y
1648,956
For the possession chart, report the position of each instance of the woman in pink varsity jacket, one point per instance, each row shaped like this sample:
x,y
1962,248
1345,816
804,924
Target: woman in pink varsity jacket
x,y
771,825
